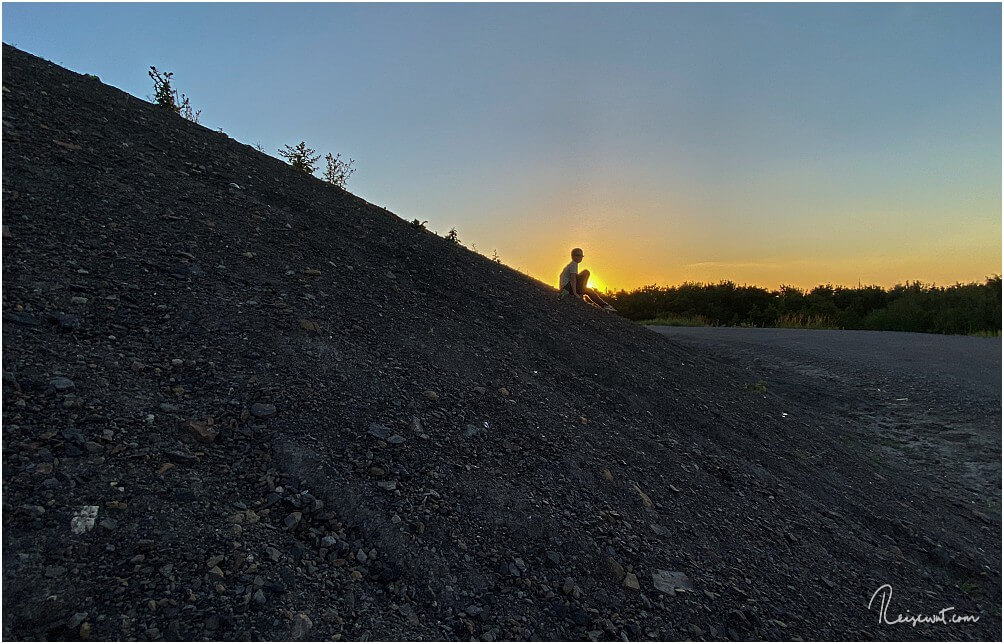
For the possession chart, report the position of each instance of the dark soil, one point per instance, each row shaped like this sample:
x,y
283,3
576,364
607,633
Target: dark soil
x,y
300,416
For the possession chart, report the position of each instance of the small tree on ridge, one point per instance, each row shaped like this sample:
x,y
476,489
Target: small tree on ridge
x,y
337,172
167,97
300,157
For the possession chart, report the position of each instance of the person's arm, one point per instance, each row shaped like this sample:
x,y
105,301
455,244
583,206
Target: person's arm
x,y
573,283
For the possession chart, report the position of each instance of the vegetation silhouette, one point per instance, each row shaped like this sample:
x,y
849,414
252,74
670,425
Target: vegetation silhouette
x,y
167,97
337,171
300,157
972,308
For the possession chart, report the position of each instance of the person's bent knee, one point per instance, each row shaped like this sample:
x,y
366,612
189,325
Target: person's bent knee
x,y
584,272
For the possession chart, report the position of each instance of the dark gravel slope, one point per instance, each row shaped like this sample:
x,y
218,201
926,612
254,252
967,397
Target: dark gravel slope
x,y
298,416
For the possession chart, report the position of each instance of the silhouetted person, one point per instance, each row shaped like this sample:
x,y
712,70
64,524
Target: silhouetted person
x,y
577,283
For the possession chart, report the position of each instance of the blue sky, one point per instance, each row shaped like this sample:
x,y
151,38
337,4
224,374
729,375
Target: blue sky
x,y
763,143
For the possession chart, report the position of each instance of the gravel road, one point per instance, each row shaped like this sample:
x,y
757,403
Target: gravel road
x,y
930,403
951,362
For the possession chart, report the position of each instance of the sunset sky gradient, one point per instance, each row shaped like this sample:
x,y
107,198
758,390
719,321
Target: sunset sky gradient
x,y
765,144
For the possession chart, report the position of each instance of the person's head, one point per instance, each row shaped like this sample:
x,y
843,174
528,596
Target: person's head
x,y
577,255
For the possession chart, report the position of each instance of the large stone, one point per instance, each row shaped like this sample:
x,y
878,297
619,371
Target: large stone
x,y
614,569
83,520
62,384
645,500
668,582
262,410
203,432
377,430
301,626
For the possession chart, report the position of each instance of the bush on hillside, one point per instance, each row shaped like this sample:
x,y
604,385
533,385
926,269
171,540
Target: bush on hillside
x,y
167,97
337,172
300,157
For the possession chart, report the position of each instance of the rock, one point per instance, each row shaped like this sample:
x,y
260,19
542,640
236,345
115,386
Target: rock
x,y
168,408
83,520
378,431
301,626
736,619
377,471
52,572
109,524
34,511
262,410
75,620
234,186
472,431
76,299
645,501
313,272
474,610
396,439
66,321
608,475
62,384
631,581
292,519
6,232
203,432
569,586
668,582
179,456
73,435
328,541
273,553
614,569
659,530
310,326
259,597
552,557
695,630
431,395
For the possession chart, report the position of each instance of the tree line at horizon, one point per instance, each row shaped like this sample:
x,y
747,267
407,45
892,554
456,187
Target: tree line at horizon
x,y
972,308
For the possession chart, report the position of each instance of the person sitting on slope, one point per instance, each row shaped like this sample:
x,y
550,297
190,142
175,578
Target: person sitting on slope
x,y
577,283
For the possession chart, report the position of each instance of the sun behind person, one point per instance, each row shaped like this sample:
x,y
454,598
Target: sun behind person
x,y
577,283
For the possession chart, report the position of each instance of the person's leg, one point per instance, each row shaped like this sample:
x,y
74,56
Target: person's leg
x,y
594,296
583,286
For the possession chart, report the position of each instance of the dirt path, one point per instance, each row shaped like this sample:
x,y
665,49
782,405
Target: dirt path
x,y
928,402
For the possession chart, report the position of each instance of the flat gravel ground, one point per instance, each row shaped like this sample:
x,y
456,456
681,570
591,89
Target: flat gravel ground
x,y
926,403
950,361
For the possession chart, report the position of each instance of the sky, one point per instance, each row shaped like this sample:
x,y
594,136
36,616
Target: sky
x,y
766,144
